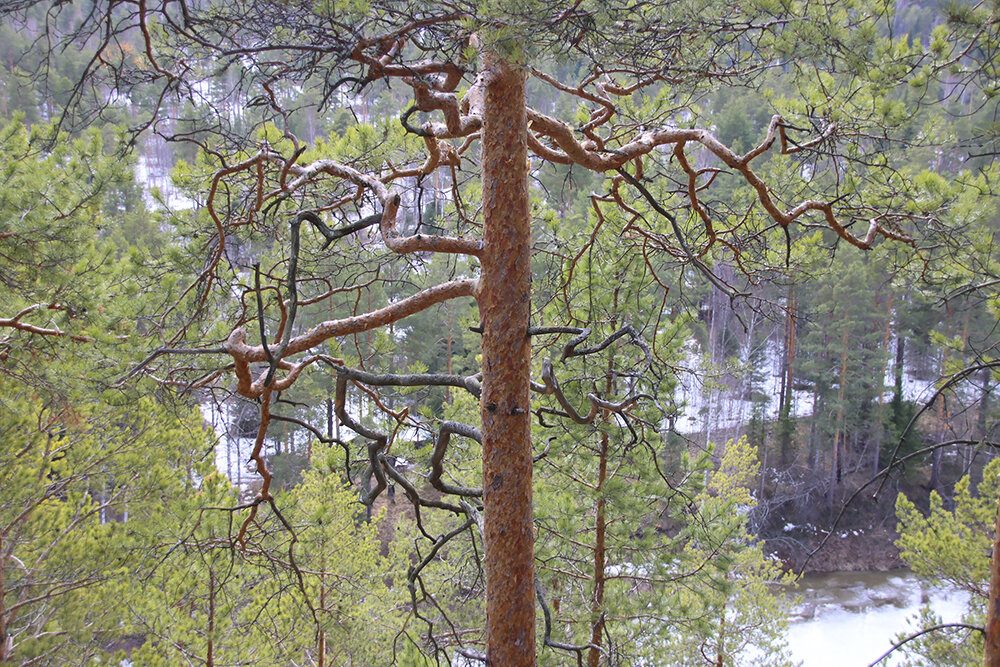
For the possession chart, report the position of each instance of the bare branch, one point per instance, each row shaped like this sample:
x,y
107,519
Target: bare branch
x,y
915,635
437,458
243,355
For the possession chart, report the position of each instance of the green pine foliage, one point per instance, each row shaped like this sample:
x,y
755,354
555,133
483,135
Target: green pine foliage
x,y
331,586
950,545
81,482
117,531
732,605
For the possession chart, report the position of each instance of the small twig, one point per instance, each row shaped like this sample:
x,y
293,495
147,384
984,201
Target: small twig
x,y
260,314
293,301
708,273
166,350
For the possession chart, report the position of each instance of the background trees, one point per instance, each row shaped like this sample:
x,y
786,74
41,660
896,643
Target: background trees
x,y
315,277
77,463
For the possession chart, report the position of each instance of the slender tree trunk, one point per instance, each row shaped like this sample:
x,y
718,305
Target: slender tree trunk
x,y
597,599
814,432
897,370
504,298
897,376
6,642
781,394
210,650
834,468
720,647
321,657
984,403
878,428
944,416
787,379
991,656
600,532
838,440
984,409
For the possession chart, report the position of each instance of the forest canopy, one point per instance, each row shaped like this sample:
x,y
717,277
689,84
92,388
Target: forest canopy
x,y
509,332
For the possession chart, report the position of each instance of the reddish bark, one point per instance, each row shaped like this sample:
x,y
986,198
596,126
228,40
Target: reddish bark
x,y
573,151
210,652
243,354
6,642
600,529
505,306
597,601
991,656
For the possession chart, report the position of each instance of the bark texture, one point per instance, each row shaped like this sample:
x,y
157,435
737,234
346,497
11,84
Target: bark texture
x,y
600,555
505,305
992,639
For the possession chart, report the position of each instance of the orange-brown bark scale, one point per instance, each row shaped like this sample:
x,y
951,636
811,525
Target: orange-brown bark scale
x,y
505,304
991,656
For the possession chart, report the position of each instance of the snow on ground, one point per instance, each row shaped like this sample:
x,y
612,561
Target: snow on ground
x,y
712,399
152,175
715,398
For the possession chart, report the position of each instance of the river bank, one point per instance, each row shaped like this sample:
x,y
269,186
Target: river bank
x,y
846,550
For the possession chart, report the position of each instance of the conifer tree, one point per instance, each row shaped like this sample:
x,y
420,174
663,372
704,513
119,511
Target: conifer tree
x,y
827,159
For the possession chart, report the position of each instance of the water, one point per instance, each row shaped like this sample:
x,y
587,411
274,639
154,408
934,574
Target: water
x,y
849,619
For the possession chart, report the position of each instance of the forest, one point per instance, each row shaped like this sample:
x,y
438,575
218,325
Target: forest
x,y
492,332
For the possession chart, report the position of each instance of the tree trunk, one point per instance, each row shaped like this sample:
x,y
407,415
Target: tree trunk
x,y
984,401
944,417
321,640
838,439
504,297
210,649
879,426
6,641
814,432
897,376
991,656
984,409
787,380
597,601
600,532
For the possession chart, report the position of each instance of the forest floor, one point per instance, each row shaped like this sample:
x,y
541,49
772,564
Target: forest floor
x,y
797,516
808,533
873,549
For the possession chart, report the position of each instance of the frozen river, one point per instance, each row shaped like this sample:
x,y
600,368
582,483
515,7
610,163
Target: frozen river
x,y
849,619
